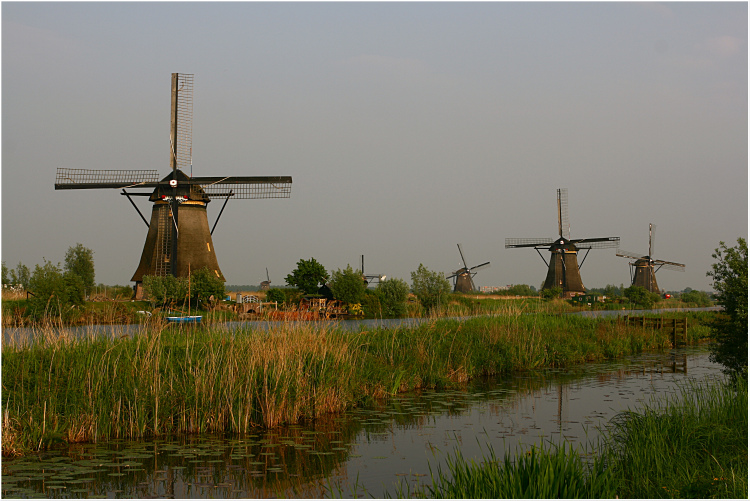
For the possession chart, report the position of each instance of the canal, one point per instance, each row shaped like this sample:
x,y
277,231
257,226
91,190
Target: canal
x,y
366,452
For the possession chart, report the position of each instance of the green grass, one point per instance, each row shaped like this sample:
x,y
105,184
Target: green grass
x,y
192,380
537,473
693,445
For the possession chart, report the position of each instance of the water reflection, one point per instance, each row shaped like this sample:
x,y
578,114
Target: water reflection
x,y
366,451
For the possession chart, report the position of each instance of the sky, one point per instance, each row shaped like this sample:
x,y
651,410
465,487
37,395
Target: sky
x,y
407,128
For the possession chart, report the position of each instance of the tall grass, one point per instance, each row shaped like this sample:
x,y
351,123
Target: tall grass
x,y
177,380
693,445
538,473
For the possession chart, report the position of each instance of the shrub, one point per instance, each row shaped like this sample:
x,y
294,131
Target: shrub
x,y
275,295
640,296
55,294
730,282
430,287
551,293
204,285
393,294
347,285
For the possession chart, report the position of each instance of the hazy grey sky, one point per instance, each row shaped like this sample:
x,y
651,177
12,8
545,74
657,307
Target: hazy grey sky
x,y
407,128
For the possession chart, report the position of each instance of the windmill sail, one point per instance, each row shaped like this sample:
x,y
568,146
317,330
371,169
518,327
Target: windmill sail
x,y
643,270
178,239
563,270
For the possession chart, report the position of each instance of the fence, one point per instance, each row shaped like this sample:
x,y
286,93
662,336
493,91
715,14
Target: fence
x,y
676,327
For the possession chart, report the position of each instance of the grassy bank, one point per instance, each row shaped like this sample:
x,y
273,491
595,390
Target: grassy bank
x,y
693,446
169,380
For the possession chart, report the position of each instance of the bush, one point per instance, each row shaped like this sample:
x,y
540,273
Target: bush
x,y
730,282
393,294
165,291
699,298
430,287
55,294
203,285
347,285
275,295
641,297
552,293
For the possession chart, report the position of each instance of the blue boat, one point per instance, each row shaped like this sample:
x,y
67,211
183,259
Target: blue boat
x,y
190,319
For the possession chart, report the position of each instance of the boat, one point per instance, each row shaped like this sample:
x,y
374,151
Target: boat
x,y
188,319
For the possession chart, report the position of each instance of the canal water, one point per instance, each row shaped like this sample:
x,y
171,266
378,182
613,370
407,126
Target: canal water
x,y
24,335
367,452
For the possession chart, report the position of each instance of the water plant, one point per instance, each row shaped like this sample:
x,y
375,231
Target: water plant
x,y
165,380
693,445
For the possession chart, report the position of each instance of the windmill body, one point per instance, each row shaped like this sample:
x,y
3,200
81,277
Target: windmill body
x,y
643,269
463,277
179,237
563,269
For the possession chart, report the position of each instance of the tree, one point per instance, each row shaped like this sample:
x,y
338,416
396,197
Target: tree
x,y
203,285
21,276
275,296
6,280
612,291
347,285
55,294
430,287
640,296
79,260
697,297
521,290
393,294
308,276
730,283
166,290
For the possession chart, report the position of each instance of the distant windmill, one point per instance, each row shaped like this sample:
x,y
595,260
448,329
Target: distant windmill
x,y
463,276
369,278
178,237
266,284
645,274
563,269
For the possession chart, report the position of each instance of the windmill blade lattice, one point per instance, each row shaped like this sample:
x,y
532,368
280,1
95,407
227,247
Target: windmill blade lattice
x,y
78,179
597,243
628,254
511,243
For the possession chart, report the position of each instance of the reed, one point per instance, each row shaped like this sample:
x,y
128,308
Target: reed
x,y
167,380
694,445
543,472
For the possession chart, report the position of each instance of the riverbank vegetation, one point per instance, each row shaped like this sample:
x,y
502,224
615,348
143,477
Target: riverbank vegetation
x,y
692,446
167,379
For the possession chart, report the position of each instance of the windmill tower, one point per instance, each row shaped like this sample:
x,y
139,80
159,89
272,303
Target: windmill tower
x,y
563,270
178,239
645,274
463,276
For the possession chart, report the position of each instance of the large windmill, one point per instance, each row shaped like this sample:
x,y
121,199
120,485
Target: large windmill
x,y
563,269
645,274
463,276
178,239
